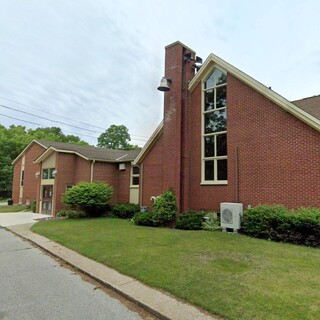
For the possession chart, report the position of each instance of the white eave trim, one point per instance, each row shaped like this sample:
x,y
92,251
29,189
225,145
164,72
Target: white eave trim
x,y
51,149
256,85
149,144
26,148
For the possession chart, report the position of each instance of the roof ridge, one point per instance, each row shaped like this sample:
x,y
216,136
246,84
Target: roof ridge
x,y
311,97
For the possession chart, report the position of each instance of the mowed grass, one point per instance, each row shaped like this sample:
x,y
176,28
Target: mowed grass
x,y
230,275
13,208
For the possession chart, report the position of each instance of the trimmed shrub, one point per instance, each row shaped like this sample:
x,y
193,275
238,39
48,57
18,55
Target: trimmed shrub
x,y
190,221
144,219
301,226
164,208
89,197
125,210
70,214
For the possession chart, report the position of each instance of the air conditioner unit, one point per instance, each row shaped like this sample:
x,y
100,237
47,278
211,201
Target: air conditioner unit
x,y
230,215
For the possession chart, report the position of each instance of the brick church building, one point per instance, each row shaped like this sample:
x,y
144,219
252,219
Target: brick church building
x,y
45,170
225,137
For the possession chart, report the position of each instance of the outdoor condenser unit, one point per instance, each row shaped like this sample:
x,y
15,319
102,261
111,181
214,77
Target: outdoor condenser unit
x,y
230,215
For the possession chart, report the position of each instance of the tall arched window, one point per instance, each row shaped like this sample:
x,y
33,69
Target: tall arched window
x,y
214,134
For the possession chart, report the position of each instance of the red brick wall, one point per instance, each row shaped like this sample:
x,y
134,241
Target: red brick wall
x,y
31,183
73,169
151,183
278,154
175,118
65,166
107,172
123,184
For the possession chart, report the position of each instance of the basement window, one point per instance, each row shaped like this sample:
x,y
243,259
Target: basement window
x,y
214,128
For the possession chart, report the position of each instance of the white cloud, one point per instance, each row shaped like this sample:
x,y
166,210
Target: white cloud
x,y
100,61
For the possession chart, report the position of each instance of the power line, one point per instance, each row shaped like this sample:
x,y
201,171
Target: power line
x,y
48,112
37,124
34,115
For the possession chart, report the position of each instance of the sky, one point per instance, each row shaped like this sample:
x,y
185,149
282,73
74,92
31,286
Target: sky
x,y
89,64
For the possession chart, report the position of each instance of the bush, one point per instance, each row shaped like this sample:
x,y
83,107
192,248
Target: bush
x,y
89,197
144,219
125,210
34,206
301,226
211,223
70,214
164,208
190,221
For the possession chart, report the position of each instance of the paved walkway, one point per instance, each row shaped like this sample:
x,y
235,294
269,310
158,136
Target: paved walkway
x,y
157,302
17,218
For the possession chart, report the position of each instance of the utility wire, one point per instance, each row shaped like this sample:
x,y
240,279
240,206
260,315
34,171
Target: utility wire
x,y
87,124
37,124
34,115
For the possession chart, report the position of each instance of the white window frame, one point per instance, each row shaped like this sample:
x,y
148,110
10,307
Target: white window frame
x,y
203,134
134,175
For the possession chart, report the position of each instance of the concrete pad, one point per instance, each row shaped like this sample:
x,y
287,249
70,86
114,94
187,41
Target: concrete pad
x,y
161,304
17,218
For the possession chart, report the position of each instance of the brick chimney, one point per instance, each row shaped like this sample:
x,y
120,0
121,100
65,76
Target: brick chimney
x,y
180,71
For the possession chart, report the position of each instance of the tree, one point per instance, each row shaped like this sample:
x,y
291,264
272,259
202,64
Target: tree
x,y
12,142
116,137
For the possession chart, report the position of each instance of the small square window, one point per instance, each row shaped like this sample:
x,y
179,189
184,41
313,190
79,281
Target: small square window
x,y
135,170
135,181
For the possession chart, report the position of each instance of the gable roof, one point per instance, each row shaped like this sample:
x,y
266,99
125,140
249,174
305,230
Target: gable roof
x,y
310,105
288,106
86,152
90,152
152,140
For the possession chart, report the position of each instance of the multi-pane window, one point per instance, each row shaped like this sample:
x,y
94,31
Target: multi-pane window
x,y
214,134
22,178
135,175
48,173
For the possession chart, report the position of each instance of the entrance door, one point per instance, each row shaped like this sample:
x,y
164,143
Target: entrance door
x,y
47,192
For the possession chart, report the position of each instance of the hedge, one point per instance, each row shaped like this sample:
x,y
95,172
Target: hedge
x,y
276,223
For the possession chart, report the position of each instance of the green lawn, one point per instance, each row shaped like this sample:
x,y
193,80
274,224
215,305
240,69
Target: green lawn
x,y
14,208
233,276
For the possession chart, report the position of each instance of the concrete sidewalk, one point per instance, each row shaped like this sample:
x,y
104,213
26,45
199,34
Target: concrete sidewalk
x,y
155,301
23,217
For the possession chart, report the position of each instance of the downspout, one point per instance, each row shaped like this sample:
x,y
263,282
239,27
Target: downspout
x,y
141,184
91,172
237,175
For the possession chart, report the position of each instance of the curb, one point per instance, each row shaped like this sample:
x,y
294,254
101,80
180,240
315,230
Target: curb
x,y
158,303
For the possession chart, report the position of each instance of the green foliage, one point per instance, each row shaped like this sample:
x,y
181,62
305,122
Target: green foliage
x,y
34,206
70,214
164,208
14,139
116,137
301,226
190,221
144,219
89,197
211,224
125,210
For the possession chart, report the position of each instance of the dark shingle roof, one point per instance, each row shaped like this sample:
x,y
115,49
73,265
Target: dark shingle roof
x,y
93,153
310,105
